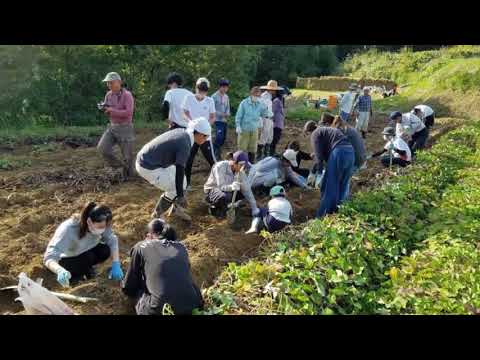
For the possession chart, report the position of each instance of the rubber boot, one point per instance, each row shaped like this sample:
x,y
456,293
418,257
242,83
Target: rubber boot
x,y
255,227
259,152
364,134
251,157
163,205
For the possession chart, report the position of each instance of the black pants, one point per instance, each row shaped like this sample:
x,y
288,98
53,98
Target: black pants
x,y
82,264
220,199
429,121
206,149
144,306
419,140
395,161
277,134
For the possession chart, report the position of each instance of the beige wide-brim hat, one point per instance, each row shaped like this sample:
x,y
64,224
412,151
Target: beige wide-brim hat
x,y
271,85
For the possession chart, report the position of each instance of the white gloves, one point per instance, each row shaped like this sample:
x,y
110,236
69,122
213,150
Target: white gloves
x,y
311,179
236,186
238,130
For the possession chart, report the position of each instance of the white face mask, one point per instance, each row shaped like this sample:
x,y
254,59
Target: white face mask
x,y
94,230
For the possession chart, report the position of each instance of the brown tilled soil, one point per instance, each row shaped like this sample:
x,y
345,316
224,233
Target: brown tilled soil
x,y
36,199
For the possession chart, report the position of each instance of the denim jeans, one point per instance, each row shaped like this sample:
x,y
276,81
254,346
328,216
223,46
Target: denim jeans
x,y
220,134
340,167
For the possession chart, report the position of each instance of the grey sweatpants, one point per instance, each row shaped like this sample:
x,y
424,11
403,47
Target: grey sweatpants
x,y
124,136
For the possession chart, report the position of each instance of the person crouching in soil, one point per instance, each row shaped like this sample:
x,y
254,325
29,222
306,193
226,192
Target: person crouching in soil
x,y
399,152
272,171
82,242
222,184
118,106
159,274
276,216
162,163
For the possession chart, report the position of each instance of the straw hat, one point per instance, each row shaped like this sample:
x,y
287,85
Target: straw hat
x,y
271,85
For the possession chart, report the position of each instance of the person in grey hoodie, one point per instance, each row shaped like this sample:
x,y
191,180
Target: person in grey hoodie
x,y
82,242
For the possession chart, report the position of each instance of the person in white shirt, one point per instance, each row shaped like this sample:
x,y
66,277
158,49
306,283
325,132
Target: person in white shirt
x,y
409,125
173,101
425,113
276,216
266,133
194,107
398,150
347,102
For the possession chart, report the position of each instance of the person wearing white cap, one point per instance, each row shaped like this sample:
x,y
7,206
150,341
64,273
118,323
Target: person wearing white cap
x,y
426,114
272,171
196,106
118,105
162,163
347,102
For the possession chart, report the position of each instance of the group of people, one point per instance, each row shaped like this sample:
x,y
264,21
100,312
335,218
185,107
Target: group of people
x,y
159,270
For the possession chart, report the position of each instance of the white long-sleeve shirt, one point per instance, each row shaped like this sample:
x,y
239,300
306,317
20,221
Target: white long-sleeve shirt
x,y
270,171
222,177
412,121
346,104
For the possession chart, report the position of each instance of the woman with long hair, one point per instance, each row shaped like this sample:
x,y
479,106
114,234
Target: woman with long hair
x,y
80,243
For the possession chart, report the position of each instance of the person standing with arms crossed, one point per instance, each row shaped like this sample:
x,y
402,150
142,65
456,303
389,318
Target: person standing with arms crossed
x,y
197,106
222,107
118,106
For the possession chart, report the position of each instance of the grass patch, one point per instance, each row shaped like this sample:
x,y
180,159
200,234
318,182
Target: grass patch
x,y
11,164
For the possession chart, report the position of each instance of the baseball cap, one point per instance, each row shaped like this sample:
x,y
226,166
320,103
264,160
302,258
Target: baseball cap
x,y
395,114
277,191
291,156
111,76
241,157
224,82
201,125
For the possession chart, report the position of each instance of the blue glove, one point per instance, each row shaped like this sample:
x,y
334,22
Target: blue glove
x,y
63,277
116,272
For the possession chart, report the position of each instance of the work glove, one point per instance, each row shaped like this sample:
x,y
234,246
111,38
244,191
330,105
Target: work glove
x,y
63,277
181,201
116,272
236,186
311,179
238,130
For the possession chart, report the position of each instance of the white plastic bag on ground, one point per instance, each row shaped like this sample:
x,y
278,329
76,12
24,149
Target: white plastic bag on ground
x,y
39,301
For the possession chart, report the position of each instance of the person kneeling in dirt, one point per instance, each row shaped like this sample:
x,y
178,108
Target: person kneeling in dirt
x,y
162,163
426,114
222,184
82,242
398,150
272,171
276,216
409,125
159,274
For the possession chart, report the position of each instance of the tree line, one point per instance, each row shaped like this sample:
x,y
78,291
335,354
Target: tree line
x,y
61,84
